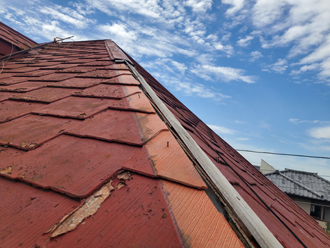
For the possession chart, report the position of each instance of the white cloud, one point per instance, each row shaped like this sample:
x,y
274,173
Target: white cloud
x,y
199,6
221,130
119,30
159,11
305,68
236,6
265,12
321,53
301,25
228,49
280,66
225,73
297,121
320,132
180,66
245,42
79,21
255,55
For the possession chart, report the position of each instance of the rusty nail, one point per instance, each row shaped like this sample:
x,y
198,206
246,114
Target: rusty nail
x,y
168,143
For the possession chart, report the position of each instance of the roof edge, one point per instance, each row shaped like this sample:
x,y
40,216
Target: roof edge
x,y
245,214
19,34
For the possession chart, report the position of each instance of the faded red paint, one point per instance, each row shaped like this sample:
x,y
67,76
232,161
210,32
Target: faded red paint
x,y
80,107
41,129
109,125
117,129
170,161
190,206
66,163
23,87
15,40
103,91
27,212
246,179
12,109
45,95
135,215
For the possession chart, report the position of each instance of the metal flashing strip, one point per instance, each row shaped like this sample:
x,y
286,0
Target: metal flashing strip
x,y
220,184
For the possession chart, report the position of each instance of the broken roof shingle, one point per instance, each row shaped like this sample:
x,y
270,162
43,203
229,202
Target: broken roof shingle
x,y
70,136
85,127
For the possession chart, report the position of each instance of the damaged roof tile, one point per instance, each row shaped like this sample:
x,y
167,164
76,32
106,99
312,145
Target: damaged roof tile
x,y
77,118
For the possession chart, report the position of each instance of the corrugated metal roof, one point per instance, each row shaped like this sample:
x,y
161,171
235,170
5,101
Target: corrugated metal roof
x,y
301,183
70,131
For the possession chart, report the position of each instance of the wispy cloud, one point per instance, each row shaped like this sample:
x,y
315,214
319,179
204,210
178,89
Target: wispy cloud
x,y
280,66
297,121
236,6
208,72
221,129
255,55
66,15
245,42
200,6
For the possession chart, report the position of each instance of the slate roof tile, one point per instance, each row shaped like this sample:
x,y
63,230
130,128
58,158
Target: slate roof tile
x,y
41,129
13,109
31,209
72,164
23,87
80,107
44,95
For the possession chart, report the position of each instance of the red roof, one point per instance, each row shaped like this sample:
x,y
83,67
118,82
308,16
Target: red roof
x,y
290,224
12,41
86,159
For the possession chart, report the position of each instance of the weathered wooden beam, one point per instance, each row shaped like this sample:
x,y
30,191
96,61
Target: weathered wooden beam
x,y
244,213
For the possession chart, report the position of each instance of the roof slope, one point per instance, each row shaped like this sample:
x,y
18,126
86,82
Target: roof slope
x,y
13,41
79,135
80,139
291,225
301,183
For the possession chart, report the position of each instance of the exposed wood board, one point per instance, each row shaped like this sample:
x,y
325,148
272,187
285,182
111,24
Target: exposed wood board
x,y
243,211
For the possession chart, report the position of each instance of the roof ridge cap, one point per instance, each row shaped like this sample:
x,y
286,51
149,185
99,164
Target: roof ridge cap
x,y
301,185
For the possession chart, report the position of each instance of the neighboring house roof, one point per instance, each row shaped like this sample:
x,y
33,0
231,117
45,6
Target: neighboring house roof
x,y
12,41
81,136
301,183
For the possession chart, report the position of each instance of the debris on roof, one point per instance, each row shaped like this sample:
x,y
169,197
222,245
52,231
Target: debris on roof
x,y
301,183
88,158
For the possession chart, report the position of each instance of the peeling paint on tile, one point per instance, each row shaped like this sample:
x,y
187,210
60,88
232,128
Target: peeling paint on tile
x,y
90,207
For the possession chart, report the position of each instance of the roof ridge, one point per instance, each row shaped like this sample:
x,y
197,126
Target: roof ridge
x,y
243,211
301,185
315,174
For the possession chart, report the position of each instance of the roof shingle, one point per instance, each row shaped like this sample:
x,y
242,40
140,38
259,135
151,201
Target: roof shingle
x,y
72,132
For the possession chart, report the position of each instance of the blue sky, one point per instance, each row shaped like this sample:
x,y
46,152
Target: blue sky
x,y
257,72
